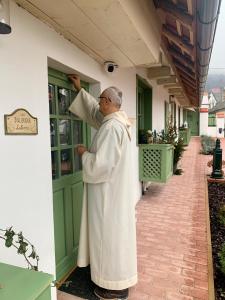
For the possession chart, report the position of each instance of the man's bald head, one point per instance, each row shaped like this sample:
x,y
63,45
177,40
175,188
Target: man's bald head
x,y
114,95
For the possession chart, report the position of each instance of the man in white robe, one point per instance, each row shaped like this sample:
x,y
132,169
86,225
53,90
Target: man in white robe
x,y
108,227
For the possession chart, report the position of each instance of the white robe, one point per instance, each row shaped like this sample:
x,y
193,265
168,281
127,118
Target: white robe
x,y
108,227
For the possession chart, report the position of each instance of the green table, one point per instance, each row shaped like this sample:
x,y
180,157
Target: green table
x,y
22,284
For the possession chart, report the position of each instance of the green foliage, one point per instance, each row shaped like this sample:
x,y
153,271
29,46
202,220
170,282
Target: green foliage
x,y
222,215
221,255
171,137
208,144
178,150
11,239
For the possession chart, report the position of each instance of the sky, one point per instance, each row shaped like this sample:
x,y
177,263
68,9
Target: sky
x,y
217,63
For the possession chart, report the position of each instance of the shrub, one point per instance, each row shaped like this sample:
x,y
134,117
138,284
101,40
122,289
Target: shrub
x,y
221,255
222,215
208,144
178,150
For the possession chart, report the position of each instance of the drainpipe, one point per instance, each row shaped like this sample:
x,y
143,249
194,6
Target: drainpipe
x,y
207,17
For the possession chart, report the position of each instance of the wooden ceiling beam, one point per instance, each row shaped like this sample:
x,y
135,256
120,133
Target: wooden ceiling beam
x,y
177,40
190,7
172,85
185,61
175,90
165,45
171,79
177,13
158,72
188,80
184,71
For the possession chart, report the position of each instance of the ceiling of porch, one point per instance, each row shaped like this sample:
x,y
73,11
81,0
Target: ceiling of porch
x,y
111,30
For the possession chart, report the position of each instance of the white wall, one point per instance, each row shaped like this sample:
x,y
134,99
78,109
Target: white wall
x,y
26,184
212,130
203,130
219,124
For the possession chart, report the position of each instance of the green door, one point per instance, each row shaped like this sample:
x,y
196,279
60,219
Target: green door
x,y
193,122
66,131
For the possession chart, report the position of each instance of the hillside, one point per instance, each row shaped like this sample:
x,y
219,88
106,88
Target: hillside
x,y
215,80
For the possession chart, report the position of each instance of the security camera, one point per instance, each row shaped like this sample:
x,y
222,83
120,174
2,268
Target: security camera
x,y
110,66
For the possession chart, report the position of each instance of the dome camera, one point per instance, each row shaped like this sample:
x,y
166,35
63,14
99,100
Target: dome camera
x,y
110,66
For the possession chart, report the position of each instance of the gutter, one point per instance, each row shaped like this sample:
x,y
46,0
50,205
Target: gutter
x,y
207,18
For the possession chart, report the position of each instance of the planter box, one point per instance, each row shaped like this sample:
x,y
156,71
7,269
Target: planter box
x,y
155,162
23,284
185,134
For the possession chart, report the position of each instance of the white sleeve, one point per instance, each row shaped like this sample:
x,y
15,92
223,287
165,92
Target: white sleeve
x,y
86,107
98,167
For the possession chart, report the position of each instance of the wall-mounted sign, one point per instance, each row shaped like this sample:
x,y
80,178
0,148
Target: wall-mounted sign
x,y
20,122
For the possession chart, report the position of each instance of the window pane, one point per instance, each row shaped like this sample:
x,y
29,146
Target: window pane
x,y
51,98
77,162
53,133
66,162
64,132
54,164
77,132
73,95
63,101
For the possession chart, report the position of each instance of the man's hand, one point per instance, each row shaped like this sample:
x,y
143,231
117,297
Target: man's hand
x,y
75,80
81,149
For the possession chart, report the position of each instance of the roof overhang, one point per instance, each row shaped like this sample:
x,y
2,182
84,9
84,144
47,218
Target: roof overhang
x,y
188,29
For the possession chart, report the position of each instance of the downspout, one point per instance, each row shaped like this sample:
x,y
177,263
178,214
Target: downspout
x,y
207,17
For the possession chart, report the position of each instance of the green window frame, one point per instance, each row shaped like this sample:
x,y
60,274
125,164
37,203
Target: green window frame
x,y
166,114
66,129
212,120
144,107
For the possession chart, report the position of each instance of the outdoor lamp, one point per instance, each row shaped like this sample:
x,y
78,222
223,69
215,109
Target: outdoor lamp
x,y
4,17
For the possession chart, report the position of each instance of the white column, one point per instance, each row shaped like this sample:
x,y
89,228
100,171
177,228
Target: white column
x,y
203,121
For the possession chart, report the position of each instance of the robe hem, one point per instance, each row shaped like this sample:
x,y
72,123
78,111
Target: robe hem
x,y
114,285
83,263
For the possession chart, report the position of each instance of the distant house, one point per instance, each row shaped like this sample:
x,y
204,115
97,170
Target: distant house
x,y
218,93
211,100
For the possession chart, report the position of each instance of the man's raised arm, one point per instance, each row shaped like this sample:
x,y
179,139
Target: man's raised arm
x,y
84,105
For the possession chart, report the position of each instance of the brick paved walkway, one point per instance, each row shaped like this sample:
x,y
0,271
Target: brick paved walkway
x,y
172,239
171,235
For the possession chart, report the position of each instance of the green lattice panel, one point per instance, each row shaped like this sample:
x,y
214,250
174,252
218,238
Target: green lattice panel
x,y
155,162
151,163
185,135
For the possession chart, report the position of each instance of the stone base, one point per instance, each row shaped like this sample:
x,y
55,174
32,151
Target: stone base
x,y
209,179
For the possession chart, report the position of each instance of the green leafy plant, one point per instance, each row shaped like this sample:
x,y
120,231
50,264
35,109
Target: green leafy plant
x,y
145,136
208,144
171,137
23,246
221,255
222,215
178,150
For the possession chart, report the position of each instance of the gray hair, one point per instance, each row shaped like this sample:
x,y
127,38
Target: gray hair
x,y
115,95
